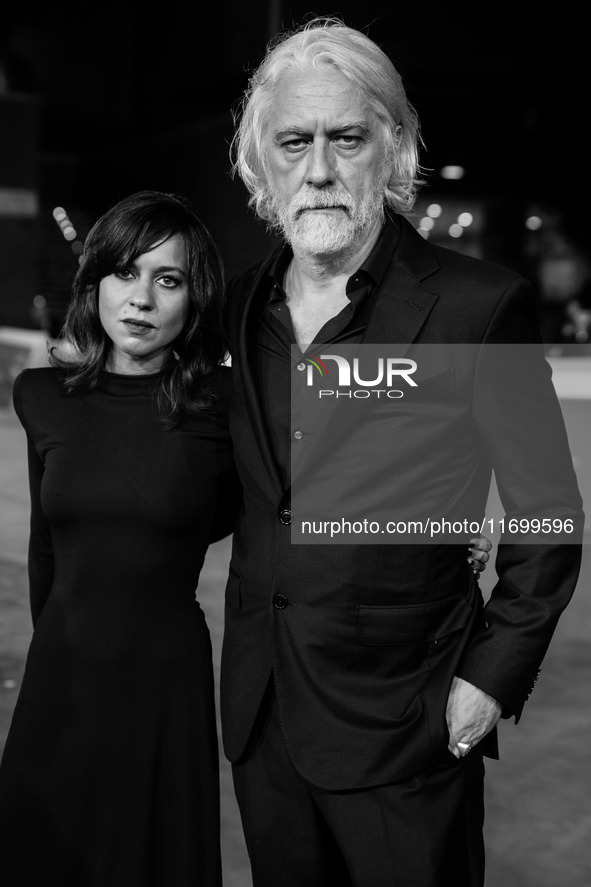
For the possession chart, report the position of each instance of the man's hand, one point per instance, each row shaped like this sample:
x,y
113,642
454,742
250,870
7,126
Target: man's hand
x,y
471,714
478,555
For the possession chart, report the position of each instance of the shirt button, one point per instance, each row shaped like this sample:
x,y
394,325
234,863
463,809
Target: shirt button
x,y
285,516
301,366
298,435
280,602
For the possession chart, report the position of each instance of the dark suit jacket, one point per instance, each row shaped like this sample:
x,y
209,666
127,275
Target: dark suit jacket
x,y
365,640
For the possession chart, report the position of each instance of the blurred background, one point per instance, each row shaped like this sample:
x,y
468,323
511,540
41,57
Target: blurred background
x,y
98,101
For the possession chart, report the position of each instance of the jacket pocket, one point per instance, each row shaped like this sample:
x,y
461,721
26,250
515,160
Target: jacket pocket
x,y
398,625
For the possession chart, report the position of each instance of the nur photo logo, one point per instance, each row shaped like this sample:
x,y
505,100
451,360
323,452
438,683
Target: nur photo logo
x,y
376,378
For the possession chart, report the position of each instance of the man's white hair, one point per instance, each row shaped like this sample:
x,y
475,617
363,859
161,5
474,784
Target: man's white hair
x,y
327,42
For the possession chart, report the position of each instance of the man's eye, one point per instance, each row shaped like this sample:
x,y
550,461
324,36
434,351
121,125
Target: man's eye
x,y
293,146
347,142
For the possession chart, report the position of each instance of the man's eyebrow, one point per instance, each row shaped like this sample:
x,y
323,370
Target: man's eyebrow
x,y
334,130
285,131
350,124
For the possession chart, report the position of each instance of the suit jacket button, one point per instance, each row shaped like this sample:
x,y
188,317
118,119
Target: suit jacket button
x,y
280,602
285,516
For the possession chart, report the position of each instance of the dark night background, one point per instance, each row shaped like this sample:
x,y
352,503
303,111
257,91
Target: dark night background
x,y
99,101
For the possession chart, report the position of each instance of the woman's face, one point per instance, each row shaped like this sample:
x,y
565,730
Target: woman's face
x,y
144,307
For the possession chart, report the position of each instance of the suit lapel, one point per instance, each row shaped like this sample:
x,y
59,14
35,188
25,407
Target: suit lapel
x,y
404,301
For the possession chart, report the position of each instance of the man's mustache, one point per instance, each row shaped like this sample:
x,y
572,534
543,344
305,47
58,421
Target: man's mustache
x,y
321,200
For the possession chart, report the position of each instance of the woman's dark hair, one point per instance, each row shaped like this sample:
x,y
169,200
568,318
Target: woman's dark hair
x,y
134,226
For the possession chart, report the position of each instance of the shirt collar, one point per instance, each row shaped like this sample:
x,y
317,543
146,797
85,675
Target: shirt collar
x,y
373,268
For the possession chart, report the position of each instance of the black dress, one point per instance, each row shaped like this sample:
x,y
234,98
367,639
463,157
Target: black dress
x,y
109,776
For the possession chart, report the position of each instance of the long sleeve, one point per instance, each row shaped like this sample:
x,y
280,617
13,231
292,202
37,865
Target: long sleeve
x,y
522,428
40,558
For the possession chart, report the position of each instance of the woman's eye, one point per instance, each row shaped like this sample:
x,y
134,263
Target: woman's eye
x,y
124,274
169,281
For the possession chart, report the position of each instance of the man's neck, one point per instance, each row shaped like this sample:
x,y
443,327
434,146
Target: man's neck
x,y
313,272
316,290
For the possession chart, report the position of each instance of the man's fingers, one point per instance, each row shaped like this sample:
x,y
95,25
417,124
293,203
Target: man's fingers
x,y
478,555
478,560
470,715
476,565
460,750
480,543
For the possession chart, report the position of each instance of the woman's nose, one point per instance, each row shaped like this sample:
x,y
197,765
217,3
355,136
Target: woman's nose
x,y
142,296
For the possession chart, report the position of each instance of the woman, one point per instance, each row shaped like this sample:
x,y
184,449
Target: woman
x,y
110,771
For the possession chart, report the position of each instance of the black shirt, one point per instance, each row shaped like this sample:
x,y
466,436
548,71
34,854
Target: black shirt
x,y
277,360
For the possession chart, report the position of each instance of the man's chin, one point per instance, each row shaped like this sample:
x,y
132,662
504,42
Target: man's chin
x,y
320,248
321,234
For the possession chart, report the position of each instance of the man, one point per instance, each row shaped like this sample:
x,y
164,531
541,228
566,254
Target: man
x,y
361,684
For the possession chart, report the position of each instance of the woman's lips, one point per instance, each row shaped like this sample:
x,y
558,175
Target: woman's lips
x,y
138,327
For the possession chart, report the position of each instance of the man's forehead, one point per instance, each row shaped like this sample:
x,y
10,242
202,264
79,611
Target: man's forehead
x,y
304,99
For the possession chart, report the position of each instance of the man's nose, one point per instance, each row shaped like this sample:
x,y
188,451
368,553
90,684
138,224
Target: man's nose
x,y
142,295
321,169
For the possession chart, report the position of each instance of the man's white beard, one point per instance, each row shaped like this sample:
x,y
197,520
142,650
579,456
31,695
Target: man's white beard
x,y
331,234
